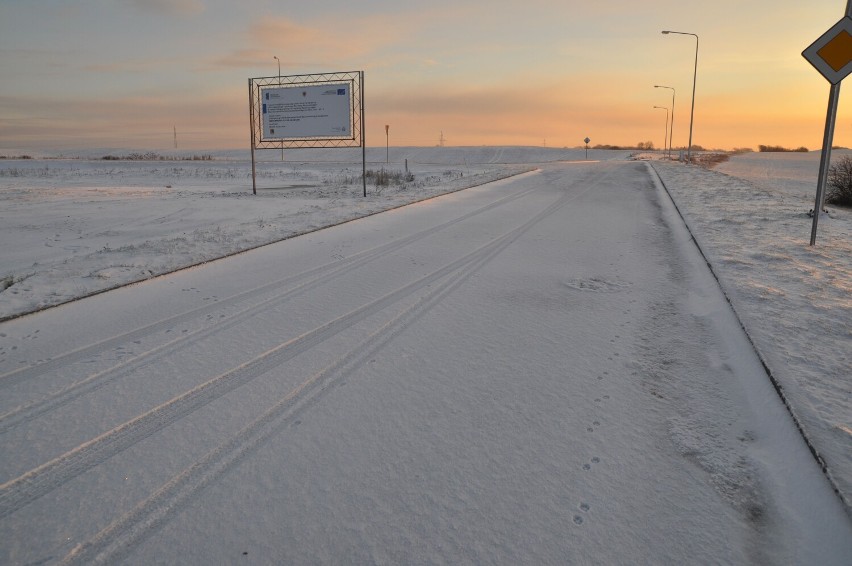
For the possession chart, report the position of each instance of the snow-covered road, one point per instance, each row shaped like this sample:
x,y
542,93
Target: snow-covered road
x,y
538,370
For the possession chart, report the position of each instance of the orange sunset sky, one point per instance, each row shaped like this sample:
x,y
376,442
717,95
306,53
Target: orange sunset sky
x,y
124,74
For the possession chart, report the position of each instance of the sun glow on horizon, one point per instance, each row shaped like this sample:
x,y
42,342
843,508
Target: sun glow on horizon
x,y
490,73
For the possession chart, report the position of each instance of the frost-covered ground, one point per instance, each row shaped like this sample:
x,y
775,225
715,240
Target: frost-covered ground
x,y
72,227
75,225
538,369
750,217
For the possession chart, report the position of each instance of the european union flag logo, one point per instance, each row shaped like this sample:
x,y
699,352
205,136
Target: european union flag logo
x,y
341,92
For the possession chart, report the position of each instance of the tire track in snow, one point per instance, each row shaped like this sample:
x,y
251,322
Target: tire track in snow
x,y
318,275
28,412
117,540
43,479
25,413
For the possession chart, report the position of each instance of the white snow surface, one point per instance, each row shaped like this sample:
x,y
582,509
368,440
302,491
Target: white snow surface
x,y
73,227
750,217
535,370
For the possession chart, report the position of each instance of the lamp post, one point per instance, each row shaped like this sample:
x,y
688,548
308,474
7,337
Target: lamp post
x,y
671,124
279,84
667,125
387,143
694,77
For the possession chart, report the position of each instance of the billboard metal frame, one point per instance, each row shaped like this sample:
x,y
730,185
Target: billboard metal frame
x,y
356,137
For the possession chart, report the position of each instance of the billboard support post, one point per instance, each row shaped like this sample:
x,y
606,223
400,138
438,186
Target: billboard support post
x,y
253,140
322,110
363,139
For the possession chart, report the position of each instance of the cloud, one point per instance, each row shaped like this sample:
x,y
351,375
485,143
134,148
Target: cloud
x,y
511,98
513,112
216,119
132,66
301,45
171,7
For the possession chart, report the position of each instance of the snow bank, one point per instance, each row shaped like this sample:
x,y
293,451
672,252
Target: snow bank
x,y
794,300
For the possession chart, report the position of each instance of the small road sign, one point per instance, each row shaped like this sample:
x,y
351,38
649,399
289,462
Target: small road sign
x,y
831,54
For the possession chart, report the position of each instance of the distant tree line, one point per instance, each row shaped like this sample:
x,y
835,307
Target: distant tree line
x,y
778,148
152,156
644,146
649,146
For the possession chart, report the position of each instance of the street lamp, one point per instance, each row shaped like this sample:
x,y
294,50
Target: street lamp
x,y
671,124
279,84
694,77
667,124
387,143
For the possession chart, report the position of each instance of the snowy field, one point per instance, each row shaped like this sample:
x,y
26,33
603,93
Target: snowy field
x,y
73,227
650,343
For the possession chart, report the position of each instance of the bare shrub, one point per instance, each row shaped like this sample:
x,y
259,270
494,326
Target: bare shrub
x,y
384,178
710,159
839,187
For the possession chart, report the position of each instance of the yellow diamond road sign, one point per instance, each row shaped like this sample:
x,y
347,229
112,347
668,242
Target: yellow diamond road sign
x,y
831,54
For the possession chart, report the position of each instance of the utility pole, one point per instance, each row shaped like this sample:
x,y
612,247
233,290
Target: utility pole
x,y
694,78
175,127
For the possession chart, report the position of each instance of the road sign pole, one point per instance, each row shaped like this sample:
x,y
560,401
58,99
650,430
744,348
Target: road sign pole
x,y
825,160
831,55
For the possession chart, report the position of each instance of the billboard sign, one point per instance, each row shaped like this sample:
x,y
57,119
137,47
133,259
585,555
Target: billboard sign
x,y
319,110
304,111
